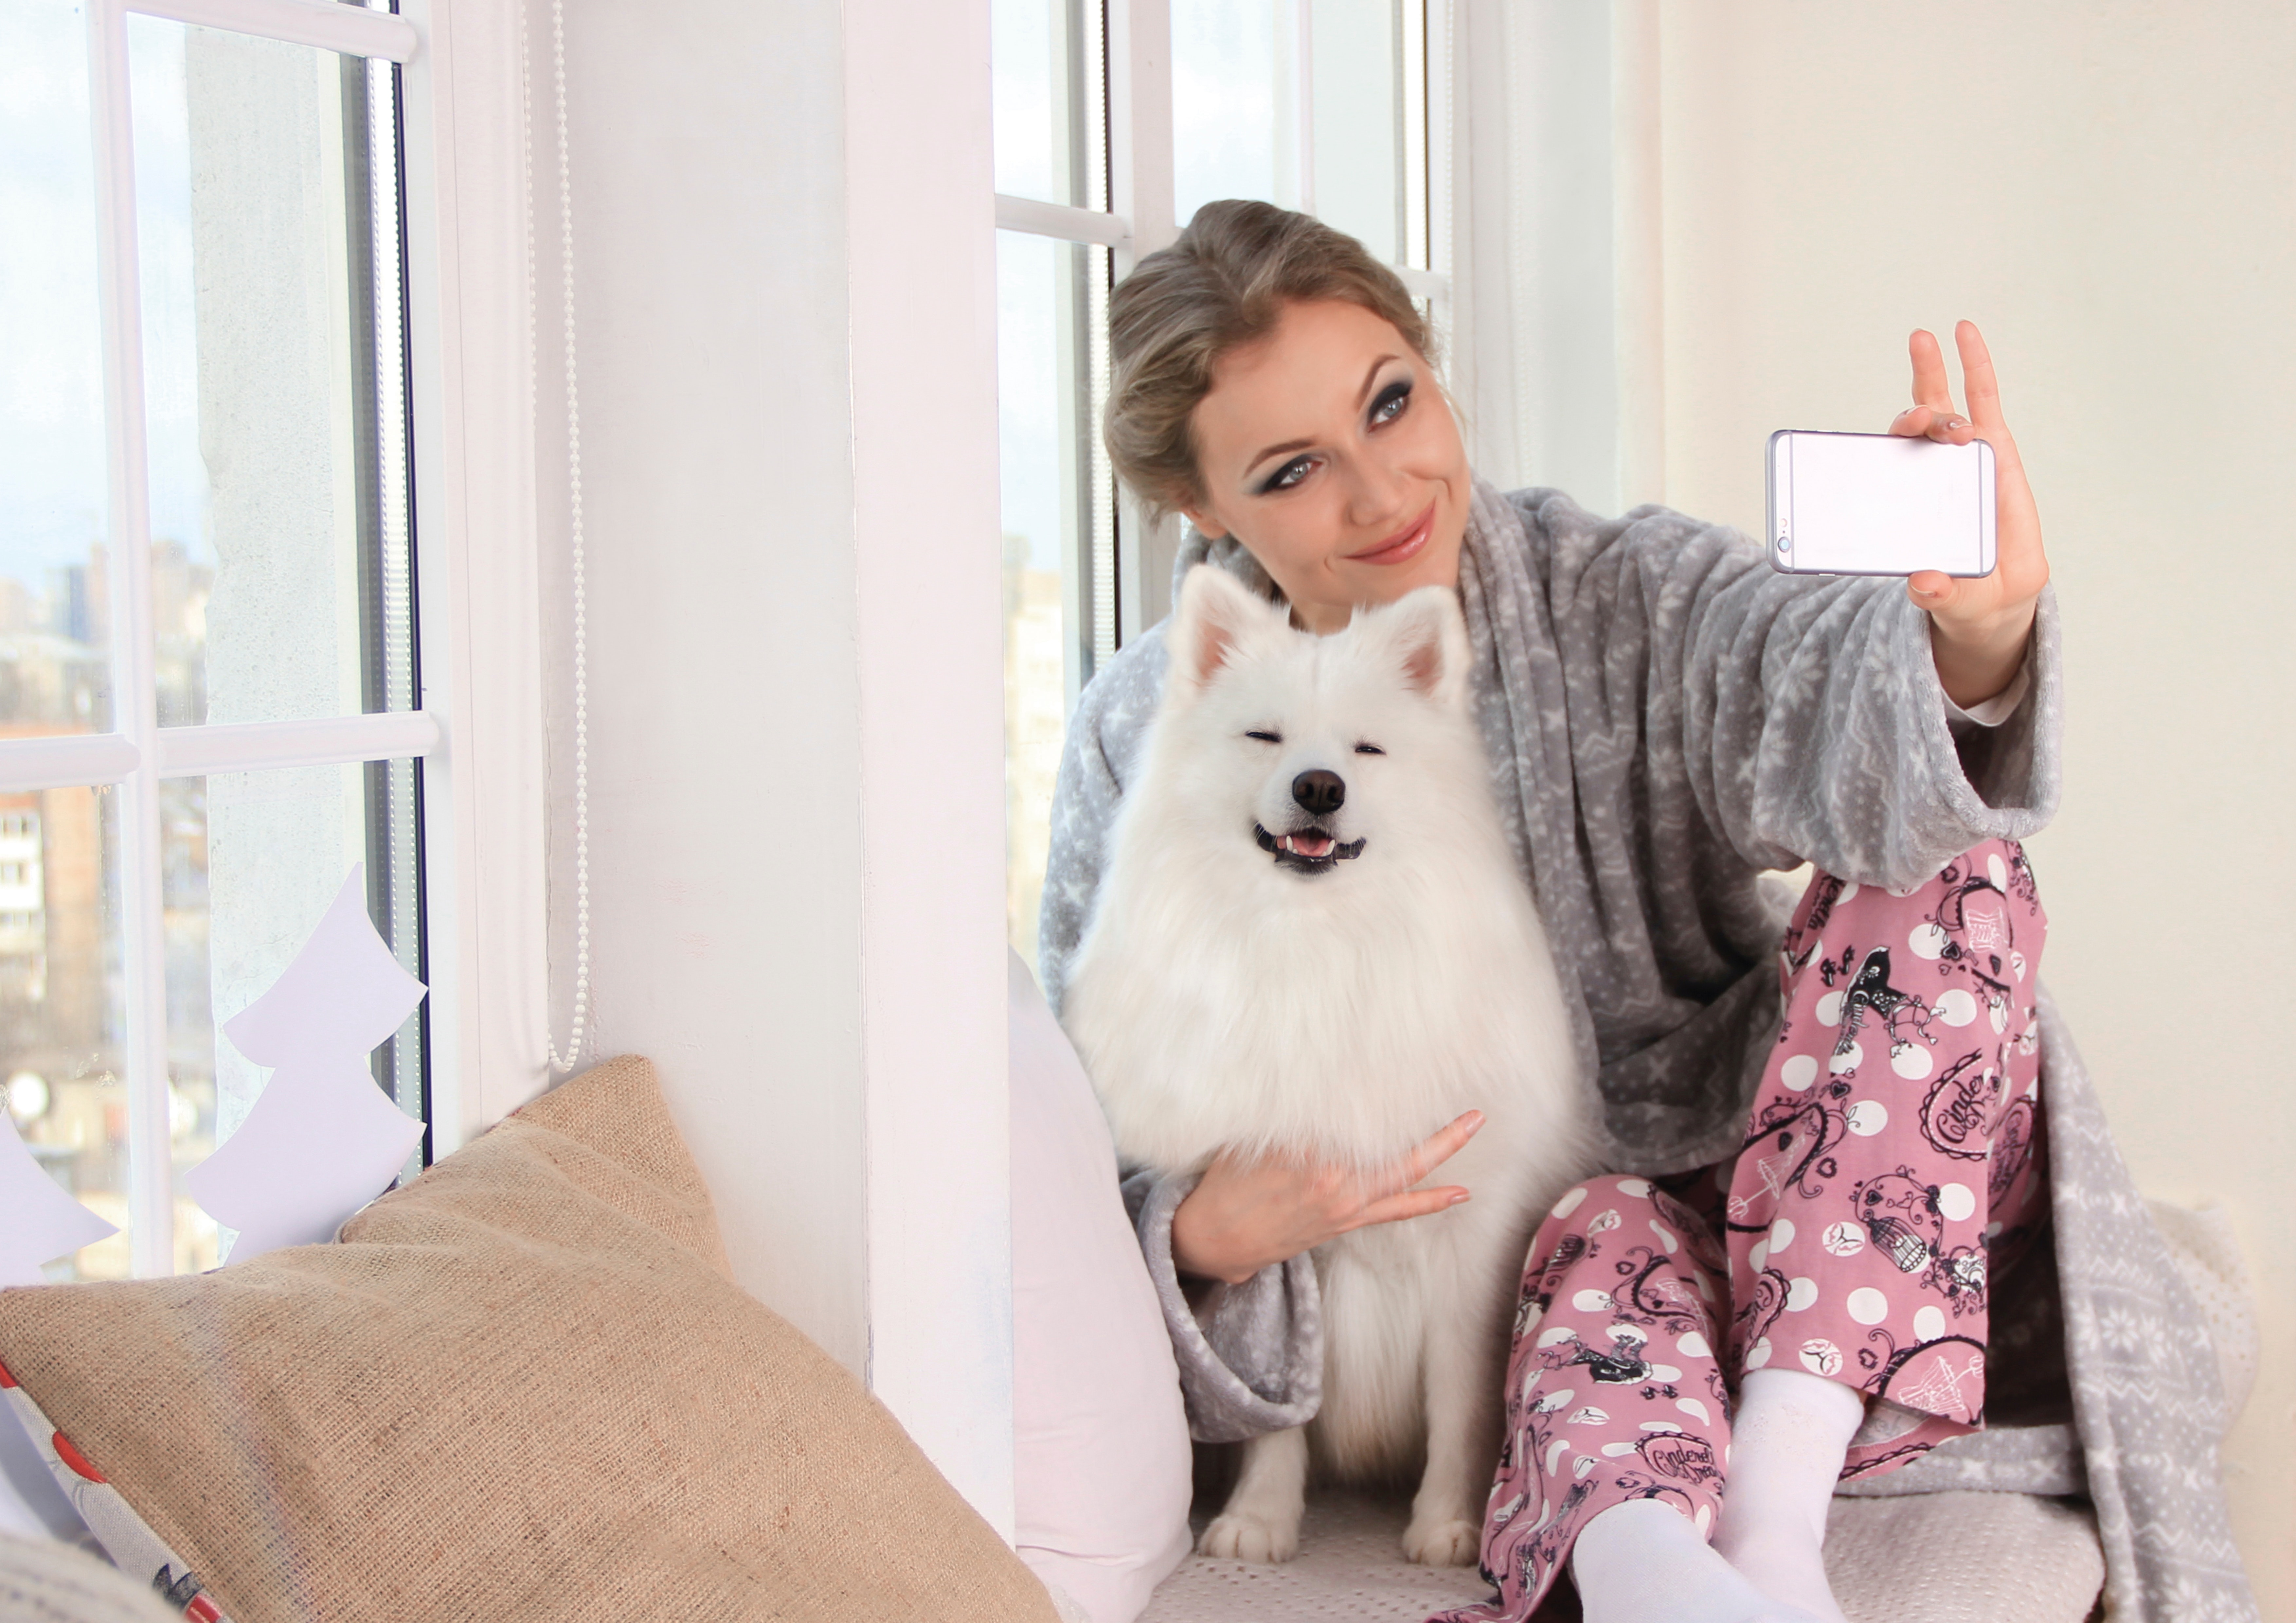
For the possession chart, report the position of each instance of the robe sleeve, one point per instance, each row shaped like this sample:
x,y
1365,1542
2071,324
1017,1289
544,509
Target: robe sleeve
x,y
1251,1356
1800,715
1104,737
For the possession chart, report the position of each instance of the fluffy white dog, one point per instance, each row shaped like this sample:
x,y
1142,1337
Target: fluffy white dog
x,y
1312,939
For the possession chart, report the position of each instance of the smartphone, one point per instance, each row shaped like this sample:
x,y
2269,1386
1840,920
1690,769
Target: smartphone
x,y
1878,505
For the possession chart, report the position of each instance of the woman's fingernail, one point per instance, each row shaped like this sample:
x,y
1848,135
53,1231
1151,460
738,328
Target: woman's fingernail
x,y
1459,1198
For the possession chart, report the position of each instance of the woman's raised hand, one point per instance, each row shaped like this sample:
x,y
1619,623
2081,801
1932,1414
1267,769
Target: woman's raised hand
x,y
1245,1215
1978,627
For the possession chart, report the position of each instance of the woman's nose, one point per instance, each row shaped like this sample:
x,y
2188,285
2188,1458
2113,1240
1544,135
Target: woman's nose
x,y
1380,493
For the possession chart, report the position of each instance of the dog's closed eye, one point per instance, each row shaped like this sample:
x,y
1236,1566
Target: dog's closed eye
x,y
1266,738
1369,749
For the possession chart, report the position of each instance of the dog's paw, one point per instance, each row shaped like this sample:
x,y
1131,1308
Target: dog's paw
x,y
1231,1536
1441,1543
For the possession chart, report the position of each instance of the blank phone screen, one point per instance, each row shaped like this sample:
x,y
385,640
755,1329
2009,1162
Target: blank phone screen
x,y
1882,505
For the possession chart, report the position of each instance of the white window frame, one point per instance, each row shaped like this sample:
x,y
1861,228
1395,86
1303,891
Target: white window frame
x,y
472,926
1139,220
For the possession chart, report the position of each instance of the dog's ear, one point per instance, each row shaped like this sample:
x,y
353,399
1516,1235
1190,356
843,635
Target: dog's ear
x,y
1424,633
1217,614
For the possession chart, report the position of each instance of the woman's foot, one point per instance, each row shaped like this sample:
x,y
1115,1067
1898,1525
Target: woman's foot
x,y
1787,1442
1644,1563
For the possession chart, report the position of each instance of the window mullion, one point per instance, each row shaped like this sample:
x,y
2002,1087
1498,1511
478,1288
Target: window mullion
x,y
1412,104
1140,188
1299,29
143,1049
254,746
1062,223
68,760
1140,124
1423,283
351,29
1438,59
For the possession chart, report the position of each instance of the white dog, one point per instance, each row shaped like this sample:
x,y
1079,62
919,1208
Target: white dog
x,y
1313,939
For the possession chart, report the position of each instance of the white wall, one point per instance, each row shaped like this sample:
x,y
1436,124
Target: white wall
x,y
784,219
2110,190
725,756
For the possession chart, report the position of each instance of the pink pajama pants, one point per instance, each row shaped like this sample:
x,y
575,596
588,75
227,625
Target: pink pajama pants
x,y
1891,1165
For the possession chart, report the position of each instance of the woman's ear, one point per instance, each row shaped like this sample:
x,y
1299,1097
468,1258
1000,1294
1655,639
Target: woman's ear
x,y
1425,633
1204,527
1218,617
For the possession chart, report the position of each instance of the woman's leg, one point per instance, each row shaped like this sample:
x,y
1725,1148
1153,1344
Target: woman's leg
x,y
1614,1391
1889,1172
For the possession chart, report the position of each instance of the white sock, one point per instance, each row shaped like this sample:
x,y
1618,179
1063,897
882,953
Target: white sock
x,y
1787,1441
1644,1563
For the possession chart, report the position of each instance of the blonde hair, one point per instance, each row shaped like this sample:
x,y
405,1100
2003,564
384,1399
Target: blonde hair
x,y
1224,283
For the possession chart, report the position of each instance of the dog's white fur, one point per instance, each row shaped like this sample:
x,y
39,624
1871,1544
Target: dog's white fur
x,y
1221,999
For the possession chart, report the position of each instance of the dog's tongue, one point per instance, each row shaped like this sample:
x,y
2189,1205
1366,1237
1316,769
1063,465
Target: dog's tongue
x,y
1309,845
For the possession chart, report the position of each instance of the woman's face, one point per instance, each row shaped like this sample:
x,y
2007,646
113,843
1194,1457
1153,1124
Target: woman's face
x,y
1326,449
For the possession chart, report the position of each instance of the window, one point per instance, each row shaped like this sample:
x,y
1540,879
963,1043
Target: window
x,y
1114,122
209,698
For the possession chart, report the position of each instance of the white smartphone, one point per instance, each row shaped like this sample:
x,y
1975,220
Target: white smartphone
x,y
1878,505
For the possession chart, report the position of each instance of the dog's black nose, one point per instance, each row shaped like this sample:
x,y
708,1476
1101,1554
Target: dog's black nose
x,y
1320,793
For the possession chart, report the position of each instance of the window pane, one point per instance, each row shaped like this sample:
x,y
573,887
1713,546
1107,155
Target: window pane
x,y
1050,117
1358,84
1235,123
1059,494
268,213
252,859
1029,99
54,520
1237,80
60,1011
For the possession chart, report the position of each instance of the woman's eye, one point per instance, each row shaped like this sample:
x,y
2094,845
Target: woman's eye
x,y
1391,402
1266,738
1369,749
1290,474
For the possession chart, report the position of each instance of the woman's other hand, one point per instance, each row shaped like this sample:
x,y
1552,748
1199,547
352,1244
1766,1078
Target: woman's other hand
x,y
1246,1215
1978,627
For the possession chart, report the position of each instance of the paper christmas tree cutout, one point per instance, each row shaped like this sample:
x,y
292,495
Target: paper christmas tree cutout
x,y
38,1221
322,1140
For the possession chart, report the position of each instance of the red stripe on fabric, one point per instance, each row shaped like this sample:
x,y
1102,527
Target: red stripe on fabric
x,y
203,1608
6,1379
74,1458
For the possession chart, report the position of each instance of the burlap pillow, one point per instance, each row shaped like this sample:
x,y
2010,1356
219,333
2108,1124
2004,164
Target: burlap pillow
x,y
524,1386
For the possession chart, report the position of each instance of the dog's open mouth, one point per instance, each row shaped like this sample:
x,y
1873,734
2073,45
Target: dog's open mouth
x,y
1307,850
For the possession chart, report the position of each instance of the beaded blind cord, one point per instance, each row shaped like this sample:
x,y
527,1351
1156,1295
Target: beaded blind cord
x,y
573,483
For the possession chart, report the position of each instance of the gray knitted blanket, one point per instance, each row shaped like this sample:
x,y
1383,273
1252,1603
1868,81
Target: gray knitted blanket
x,y
1667,720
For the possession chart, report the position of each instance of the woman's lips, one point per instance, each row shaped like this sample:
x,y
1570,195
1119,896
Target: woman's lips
x,y
1402,548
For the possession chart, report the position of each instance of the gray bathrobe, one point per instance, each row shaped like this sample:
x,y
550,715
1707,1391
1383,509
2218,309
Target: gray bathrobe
x,y
1667,720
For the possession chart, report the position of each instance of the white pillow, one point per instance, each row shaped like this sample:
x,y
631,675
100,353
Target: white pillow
x,y
1101,1467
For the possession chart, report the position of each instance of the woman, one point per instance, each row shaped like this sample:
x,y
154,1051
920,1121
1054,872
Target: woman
x,y
1667,719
